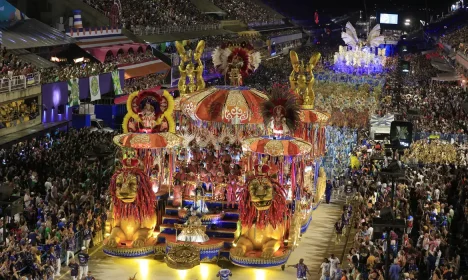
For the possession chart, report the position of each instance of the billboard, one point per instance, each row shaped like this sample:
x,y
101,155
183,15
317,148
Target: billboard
x,y
388,18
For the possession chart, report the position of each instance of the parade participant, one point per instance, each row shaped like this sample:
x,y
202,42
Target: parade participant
x,y
328,191
58,252
89,277
325,270
199,199
193,230
231,193
224,273
87,235
53,258
74,267
83,259
334,263
302,270
70,242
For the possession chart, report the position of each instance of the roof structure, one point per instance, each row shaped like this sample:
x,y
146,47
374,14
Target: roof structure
x,y
31,33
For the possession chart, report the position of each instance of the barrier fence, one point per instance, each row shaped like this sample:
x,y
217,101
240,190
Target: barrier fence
x,y
20,82
97,239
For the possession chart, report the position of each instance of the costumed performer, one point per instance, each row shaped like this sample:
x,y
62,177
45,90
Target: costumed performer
x,y
194,230
199,200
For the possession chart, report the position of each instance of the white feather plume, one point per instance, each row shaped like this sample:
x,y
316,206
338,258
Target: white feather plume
x,y
374,39
350,36
187,138
220,59
255,60
225,133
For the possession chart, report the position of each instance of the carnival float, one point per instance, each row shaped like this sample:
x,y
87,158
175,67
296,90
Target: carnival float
x,y
225,173
363,57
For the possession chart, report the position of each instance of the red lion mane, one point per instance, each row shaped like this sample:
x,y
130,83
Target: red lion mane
x,y
274,216
144,204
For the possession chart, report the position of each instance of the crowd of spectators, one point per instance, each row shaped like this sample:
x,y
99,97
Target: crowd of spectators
x,y
70,71
247,11
454,39
59,189
435,107
432,202
142,83
130,58
150,13
11,65
87,69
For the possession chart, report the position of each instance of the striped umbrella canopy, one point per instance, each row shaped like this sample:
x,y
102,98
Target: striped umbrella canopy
x,y
148,141
225,104
314,116
277,146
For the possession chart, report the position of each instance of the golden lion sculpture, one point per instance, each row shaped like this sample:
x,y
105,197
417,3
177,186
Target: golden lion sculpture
x,y
132,217
262,210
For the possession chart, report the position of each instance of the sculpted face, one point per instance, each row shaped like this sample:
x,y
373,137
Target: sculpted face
x,y
261,193
126,187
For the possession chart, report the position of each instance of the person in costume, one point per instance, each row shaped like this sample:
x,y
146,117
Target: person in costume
x,y
231,192
224,273
328,191
199,200
193,230
302,270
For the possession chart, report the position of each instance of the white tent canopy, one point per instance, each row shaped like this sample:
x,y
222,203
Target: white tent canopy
x,y
447,77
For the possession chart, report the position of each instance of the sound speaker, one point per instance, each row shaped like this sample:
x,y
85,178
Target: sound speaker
x,y
61,109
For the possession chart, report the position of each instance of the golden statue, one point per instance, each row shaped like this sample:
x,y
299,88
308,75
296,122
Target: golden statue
x,y
321,185
298,78
262,210
188,69
132,216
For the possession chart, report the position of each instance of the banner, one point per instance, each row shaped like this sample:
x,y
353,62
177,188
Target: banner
x,y
9,13
94,89
116,81
73,92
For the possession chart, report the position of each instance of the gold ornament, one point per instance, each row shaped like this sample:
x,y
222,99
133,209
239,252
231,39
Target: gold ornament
x,y
188,69
298,79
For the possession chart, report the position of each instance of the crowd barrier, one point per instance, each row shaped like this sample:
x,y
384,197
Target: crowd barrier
x,y
97,239
458,138
271,23
20,82
141,31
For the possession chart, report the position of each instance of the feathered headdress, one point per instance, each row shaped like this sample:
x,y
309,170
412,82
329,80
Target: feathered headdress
x,y
242,54
281,101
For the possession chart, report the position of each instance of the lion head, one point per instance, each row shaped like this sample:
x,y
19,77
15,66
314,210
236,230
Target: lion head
x,y
261,193
132,194
262,202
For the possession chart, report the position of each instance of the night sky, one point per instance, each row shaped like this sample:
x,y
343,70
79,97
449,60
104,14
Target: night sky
x,y
305,8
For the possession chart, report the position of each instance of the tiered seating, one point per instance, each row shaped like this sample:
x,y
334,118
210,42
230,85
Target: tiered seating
x,y
247,11
161,13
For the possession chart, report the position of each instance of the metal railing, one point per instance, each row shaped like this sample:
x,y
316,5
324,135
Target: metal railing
x,y
269,23
20,82
140,30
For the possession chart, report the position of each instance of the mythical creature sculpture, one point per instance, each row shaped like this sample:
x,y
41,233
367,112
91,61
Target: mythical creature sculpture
x,y
262,210
188,69
132,217
300,84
